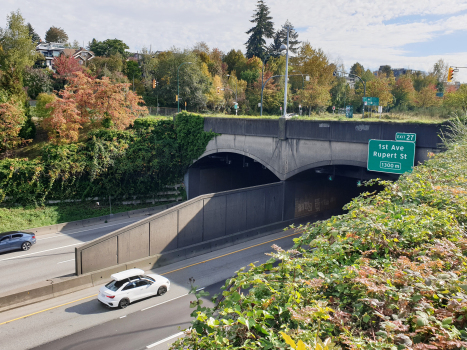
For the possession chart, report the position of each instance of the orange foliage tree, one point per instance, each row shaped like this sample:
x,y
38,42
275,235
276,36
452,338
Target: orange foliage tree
x,y
91,103
12,119
427,97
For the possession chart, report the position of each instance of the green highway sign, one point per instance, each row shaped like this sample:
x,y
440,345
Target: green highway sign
x,y
403,136
396,157
371,101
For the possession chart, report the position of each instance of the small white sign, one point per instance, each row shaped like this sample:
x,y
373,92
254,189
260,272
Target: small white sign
x,y
333,108
259,104
380,109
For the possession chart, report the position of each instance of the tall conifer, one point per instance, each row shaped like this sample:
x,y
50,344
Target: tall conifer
x,y
264,28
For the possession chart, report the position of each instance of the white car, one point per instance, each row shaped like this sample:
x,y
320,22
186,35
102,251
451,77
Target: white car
x,y
131,285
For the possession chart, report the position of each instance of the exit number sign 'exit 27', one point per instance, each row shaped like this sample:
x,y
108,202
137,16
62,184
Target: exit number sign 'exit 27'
x,y
395,157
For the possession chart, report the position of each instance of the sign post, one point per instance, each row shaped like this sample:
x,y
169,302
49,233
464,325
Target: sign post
x,y
396,157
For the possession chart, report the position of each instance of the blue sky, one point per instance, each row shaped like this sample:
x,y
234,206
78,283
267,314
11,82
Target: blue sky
x,y
401,33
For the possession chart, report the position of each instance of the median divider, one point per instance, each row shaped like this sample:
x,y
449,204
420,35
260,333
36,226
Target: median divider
x,y
72,225
60,286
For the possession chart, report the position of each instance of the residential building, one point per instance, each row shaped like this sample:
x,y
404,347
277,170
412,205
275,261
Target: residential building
x,y
52,50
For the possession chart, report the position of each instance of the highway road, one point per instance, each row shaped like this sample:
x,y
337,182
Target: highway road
x,y
52,256
78,321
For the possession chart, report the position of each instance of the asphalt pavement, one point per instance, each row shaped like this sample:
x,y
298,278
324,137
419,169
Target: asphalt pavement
x,y
52,256
78,321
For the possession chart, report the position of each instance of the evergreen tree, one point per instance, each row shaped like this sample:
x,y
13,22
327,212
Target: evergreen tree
x,y
32,33
264,28
56,35
280,37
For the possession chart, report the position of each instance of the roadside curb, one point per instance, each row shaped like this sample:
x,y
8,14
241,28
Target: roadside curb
x,y
65,226
60,286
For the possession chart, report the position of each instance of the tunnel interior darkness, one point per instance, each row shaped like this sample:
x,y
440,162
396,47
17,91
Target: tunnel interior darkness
x,y
229,171
226,171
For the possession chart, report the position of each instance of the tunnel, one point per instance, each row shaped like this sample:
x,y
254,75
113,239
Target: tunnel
x,y
310,192
225,171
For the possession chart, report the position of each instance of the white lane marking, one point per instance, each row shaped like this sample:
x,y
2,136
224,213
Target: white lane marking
x,y
164,340
180,296
61,234
61,262
42,251
122,316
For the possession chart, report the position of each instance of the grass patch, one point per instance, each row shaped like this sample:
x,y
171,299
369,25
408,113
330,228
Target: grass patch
x,y
22,218
386,117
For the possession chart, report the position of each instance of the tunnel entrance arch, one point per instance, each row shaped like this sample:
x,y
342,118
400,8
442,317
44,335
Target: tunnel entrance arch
x,y
224,171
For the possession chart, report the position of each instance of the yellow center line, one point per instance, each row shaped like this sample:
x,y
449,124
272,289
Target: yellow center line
x,y
165,273
50,308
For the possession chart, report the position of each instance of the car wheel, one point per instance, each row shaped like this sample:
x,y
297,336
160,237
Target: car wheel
x,y
26,245
123,303
162,290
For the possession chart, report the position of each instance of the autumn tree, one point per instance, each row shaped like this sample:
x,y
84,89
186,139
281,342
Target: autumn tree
x,y
12,118
56,35
357,69
235,61
315,95
380,88
315,63
216,100
65,67
264,28
457,99
91,103
427,97
403,90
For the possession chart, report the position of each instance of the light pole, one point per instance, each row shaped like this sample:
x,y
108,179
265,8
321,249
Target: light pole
x,y
236,99
262,87
178,85
285,47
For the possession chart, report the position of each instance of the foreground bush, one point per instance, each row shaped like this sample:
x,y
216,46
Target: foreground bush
x,y
389,274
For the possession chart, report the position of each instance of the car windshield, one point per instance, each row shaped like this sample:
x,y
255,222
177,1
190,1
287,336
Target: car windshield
x,y
148,278
115,285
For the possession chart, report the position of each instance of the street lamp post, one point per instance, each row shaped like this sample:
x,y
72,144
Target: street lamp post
x,y
262,87
236,90
285,47
178,85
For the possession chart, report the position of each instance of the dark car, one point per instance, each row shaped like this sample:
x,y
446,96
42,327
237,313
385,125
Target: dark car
x,y
14,240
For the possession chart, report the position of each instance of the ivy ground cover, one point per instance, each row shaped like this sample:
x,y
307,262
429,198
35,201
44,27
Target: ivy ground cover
x,y
388,274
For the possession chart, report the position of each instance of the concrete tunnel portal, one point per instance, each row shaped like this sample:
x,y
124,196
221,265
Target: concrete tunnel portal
x,y
311,191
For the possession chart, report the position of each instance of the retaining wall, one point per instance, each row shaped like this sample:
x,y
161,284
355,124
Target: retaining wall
x,y
202,219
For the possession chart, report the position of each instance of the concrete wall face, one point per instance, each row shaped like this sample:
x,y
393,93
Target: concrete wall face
x,y
100,256
197,221
162,233
309,144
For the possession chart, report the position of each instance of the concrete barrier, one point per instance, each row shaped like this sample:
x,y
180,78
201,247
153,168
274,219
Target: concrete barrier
x,y
193,222
67,226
